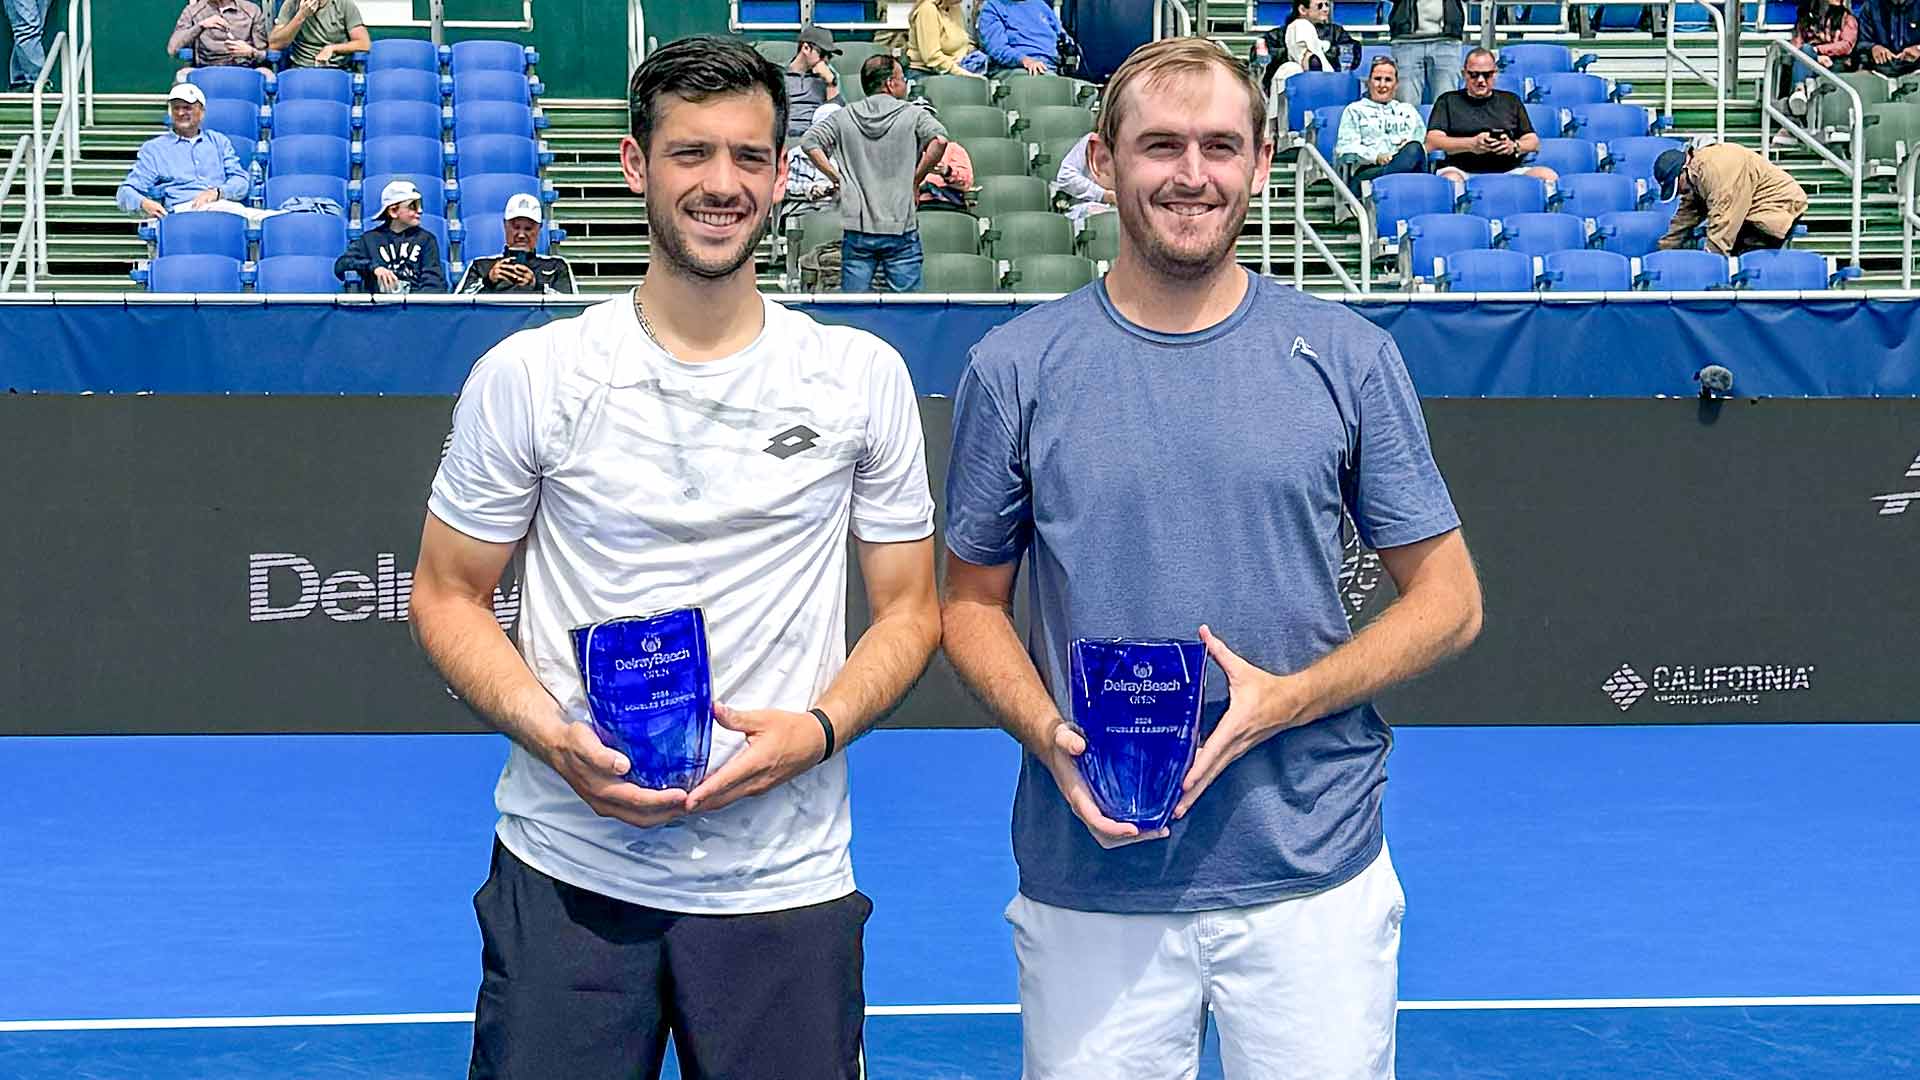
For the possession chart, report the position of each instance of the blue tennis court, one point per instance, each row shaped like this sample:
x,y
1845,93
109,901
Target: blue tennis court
x,y
1714,901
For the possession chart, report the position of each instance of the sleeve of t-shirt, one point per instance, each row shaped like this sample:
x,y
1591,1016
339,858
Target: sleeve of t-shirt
x,y
1522,123
1441,118
989,500
892,498
354,21
489,479
1398,494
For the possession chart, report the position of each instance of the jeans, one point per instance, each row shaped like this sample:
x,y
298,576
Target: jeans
x,y
1411,158
898,257
1427,69
28,18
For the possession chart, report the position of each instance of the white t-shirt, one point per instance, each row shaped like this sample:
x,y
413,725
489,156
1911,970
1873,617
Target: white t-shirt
x,y
642,482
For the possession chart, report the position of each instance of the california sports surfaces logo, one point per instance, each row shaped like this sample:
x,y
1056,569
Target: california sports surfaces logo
x,y
1143,670
1705,685
1896,502
1360,570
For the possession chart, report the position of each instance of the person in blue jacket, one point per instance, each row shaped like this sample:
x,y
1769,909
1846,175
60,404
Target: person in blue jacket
x,y
1021,35
1889,37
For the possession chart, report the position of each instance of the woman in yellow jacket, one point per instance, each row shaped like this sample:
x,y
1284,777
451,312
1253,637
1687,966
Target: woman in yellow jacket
x,y
937,40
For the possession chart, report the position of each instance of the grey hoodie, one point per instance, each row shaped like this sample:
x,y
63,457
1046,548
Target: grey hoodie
x,y
876,144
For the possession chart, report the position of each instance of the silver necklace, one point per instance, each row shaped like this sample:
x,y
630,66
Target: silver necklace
x,y
640,312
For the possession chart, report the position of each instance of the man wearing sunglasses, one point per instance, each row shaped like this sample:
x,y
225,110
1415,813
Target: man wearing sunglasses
x,y
1481,129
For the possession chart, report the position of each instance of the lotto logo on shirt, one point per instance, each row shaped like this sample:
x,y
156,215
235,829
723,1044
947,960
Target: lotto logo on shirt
x,y
283,587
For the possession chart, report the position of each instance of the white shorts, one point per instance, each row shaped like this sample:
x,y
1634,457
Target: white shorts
x,y
1303,989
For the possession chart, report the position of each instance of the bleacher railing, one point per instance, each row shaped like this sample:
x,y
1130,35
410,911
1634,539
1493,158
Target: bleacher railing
x,y
1717,80
637,44
1909,218
20,163
1779,53
1171,19
1307,168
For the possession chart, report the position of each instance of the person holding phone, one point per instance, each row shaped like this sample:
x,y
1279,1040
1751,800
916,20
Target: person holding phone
x,y
519,268
1481,129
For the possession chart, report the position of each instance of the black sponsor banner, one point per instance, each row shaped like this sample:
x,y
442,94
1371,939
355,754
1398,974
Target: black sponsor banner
x,y
216,564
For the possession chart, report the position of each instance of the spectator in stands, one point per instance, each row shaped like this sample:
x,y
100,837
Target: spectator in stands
x,y
1310,41
938,42
808,189
319,33
946,187
887,147
1426,37
811,80
1483,130
28,18
1381,134
1075,181
188,168
1890,37
1020,35
520,268
1748,202
398,256
222,33
1827,32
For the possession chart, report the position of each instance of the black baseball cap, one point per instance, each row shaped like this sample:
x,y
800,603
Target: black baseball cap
x,y
820,38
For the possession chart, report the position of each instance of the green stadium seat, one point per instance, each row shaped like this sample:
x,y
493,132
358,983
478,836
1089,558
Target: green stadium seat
x,y
945,91
1893,133
1099,238
1054,122
969,122
947,272
1832,112
1049,273
949,232
1029,232
1046,163
809,231
1023,92
779,51
996,157
1009,194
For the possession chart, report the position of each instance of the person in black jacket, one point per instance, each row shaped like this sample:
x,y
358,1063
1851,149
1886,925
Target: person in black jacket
x,y
398,256
1426,37
1309,41
519,268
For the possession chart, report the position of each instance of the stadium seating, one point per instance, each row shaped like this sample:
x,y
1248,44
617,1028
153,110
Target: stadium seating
x,y
1546,120
469,56
1029,232
1433,237
194,273
297,274
414,119
948,232
1046,161
1049,273
207,232
1491,270
1054,122
238,121
946,91
969,122
1586,271
1324,124
314,84
1592,194
404,154
496,154
433,193
1006,194
1399,198
492,118
1099,237
1830,113
303,234
1789,270
1632,233
491,86
950,272
486,194
1566,89
1607,121
1311,90
389,54
234,83
1568,157
403,84
1892,133
808,232
313,118
1540,59
1021,93
1538,234
1633,156
1499,195
486,234
1684,271
996,157
279,189
780,52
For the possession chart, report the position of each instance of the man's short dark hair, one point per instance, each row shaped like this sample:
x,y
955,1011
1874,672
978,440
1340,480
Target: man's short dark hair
x,y
1478,50
876,71
697,68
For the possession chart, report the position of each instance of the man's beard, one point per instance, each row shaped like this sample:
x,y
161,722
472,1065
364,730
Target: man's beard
x,y
1179,264
669,243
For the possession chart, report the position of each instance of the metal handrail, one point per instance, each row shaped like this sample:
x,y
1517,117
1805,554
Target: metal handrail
x,y
23,246
637,44
1717,79
1909,218
1779,49
1306,168
1182,20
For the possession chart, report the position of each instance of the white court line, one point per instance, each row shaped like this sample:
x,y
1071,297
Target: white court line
x,y
191,1022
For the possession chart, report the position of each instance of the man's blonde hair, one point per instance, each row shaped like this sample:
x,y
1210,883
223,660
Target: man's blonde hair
x,y
1159,61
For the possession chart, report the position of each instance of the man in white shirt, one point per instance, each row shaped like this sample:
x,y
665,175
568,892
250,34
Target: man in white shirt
x,y
1075,182
689,444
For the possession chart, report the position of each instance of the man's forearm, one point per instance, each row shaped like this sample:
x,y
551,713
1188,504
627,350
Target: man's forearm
x,y
928,159
281,36
821,162
464,642
985,650
887,660
1418,631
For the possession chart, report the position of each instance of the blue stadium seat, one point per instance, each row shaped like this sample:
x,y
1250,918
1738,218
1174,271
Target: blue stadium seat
x,y
281,188
1401,197
1788,270
1538,59
1538,234
1367,53
1325,122
1634,156
1592,194
204,232
314,155
389,54
1565,89
492,118
511,56
239,121
1546,121
296,274
1492,270
1436,236
1684,271
194,273
1586,271
1607,121
486,194
1311,90
433,193
236,83
1568,157
483,154
491,86
1515,83
313,117
419,119
1351,14
1613,18
403,84
1499,195
405,154
1631,233
303,234
314,84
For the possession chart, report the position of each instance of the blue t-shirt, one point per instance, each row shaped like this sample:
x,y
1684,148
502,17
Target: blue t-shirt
x,y
1154,482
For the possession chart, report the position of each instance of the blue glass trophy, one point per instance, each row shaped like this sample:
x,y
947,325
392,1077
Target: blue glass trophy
x,y
650,693
1137,702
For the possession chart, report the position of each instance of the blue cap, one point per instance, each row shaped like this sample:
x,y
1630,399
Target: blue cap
x,y
1666,172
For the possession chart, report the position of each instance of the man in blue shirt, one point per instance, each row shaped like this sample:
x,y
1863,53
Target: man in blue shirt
x,y
189,168
1172,451
1020,35
1889,37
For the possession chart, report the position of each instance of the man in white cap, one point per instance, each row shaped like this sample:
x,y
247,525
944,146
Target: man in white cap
x,y
519,269
397,256
188,168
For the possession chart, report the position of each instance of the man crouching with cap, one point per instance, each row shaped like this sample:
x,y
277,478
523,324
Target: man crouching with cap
x,y
188,168
1748,202
398,256
518,269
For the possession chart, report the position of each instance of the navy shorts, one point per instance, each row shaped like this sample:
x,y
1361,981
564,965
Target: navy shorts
x,y
579,984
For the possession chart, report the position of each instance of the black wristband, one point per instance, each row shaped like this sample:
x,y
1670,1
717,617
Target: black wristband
x,y
826,728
